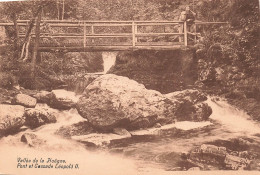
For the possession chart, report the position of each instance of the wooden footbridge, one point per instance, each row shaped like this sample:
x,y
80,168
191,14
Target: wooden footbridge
x,y
85,36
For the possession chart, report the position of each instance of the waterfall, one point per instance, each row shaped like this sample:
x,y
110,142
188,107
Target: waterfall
x,y
109,59
233,119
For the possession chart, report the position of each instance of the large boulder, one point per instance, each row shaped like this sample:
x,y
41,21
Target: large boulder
x,y
11,118
58,99
38,117
32,140
210,155
191,95
76,129
25,100
220,157
115,101
191,105
62,99
186,111
43,96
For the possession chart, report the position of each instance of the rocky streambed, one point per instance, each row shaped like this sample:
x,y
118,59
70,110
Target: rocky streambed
x,y
118,120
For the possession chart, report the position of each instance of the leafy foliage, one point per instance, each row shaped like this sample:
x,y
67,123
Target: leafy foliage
x,y
234,48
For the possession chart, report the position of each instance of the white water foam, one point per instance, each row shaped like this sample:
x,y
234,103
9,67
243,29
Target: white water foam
x,y
234,120
188,125
98,163
109,59
55,147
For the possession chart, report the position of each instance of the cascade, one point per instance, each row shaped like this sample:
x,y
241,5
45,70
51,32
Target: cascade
x,y
109,59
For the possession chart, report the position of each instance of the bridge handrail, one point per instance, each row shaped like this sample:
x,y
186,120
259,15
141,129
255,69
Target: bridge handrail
x,y
89,21
89,24
134,34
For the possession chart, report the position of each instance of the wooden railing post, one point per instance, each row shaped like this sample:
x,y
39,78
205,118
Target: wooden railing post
x,y
185,34
133,34
85,33
92,33
136,33
195,38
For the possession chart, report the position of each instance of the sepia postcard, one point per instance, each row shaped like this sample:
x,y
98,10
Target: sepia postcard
x,y
129,87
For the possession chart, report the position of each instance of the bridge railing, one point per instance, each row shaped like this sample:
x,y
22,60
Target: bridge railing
x,y
142,34
135,33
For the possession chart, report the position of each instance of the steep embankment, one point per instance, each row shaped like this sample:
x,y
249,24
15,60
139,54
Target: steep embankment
x,y
165,71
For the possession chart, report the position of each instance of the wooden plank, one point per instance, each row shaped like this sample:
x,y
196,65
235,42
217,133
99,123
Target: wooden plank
x,y
111,25
79,23
84,35
92,32
11,24
106,34
185,34
157,34
112,44
87,24
69,25
107,48
157,24
159,21
133,33
202,23
111,34
195,34
136,33
88,21
79,44
59,36
80,36
158,43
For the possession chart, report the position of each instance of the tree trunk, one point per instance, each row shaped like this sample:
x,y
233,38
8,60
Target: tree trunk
x,y
26,57
63,9
16,35
58,8
29,30
36,47
27,37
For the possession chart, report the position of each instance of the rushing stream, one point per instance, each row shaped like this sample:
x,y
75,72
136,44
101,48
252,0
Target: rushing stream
x,y
138,154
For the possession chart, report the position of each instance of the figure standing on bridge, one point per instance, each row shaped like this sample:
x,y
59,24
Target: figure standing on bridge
x,y
189,17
